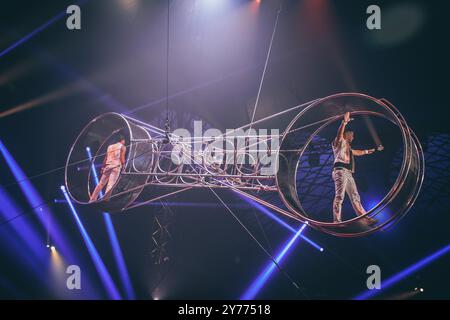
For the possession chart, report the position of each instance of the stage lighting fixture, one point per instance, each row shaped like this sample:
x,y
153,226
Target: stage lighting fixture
x,y
157,294
52,248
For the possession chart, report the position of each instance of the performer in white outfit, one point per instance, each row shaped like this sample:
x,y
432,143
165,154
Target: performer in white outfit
x,y
113,163
343,169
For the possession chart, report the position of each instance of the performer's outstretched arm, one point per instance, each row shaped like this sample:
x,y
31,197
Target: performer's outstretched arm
x,y
362,152
370,151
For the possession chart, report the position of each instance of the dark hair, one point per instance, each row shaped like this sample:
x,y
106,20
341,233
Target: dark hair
x,y
120,137
348,130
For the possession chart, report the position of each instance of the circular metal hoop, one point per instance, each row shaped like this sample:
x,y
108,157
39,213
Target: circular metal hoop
x,y
310,121
140,159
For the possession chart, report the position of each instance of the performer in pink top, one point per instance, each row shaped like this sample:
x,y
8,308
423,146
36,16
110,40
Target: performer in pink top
x,y
113,163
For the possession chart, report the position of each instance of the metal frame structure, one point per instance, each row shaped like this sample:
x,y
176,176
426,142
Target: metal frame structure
x,y
176,163
162,234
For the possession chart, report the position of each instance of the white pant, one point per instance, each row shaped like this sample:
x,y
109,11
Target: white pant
x,y
109,176
344,182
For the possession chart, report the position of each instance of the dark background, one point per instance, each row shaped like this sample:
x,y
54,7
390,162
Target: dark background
x,y
117,62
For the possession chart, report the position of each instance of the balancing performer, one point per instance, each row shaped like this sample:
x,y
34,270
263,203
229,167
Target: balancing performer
x,y
343,169
113,163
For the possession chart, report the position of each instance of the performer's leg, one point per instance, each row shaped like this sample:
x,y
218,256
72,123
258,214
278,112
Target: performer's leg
x,y
353,194
103,181
339,188
115,172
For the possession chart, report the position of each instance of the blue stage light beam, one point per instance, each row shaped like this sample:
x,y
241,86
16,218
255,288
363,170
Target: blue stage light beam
x,y
268,213
43,213
264,276
33,33
117,251
35,201
16,243
20,242
404,273
24,233
98,262
36,31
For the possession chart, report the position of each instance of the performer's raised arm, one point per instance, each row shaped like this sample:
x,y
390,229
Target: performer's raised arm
x,y
340,134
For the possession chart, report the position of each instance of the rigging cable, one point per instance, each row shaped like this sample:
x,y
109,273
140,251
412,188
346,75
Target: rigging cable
x,y
251,124
265,64
167,124
288,277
